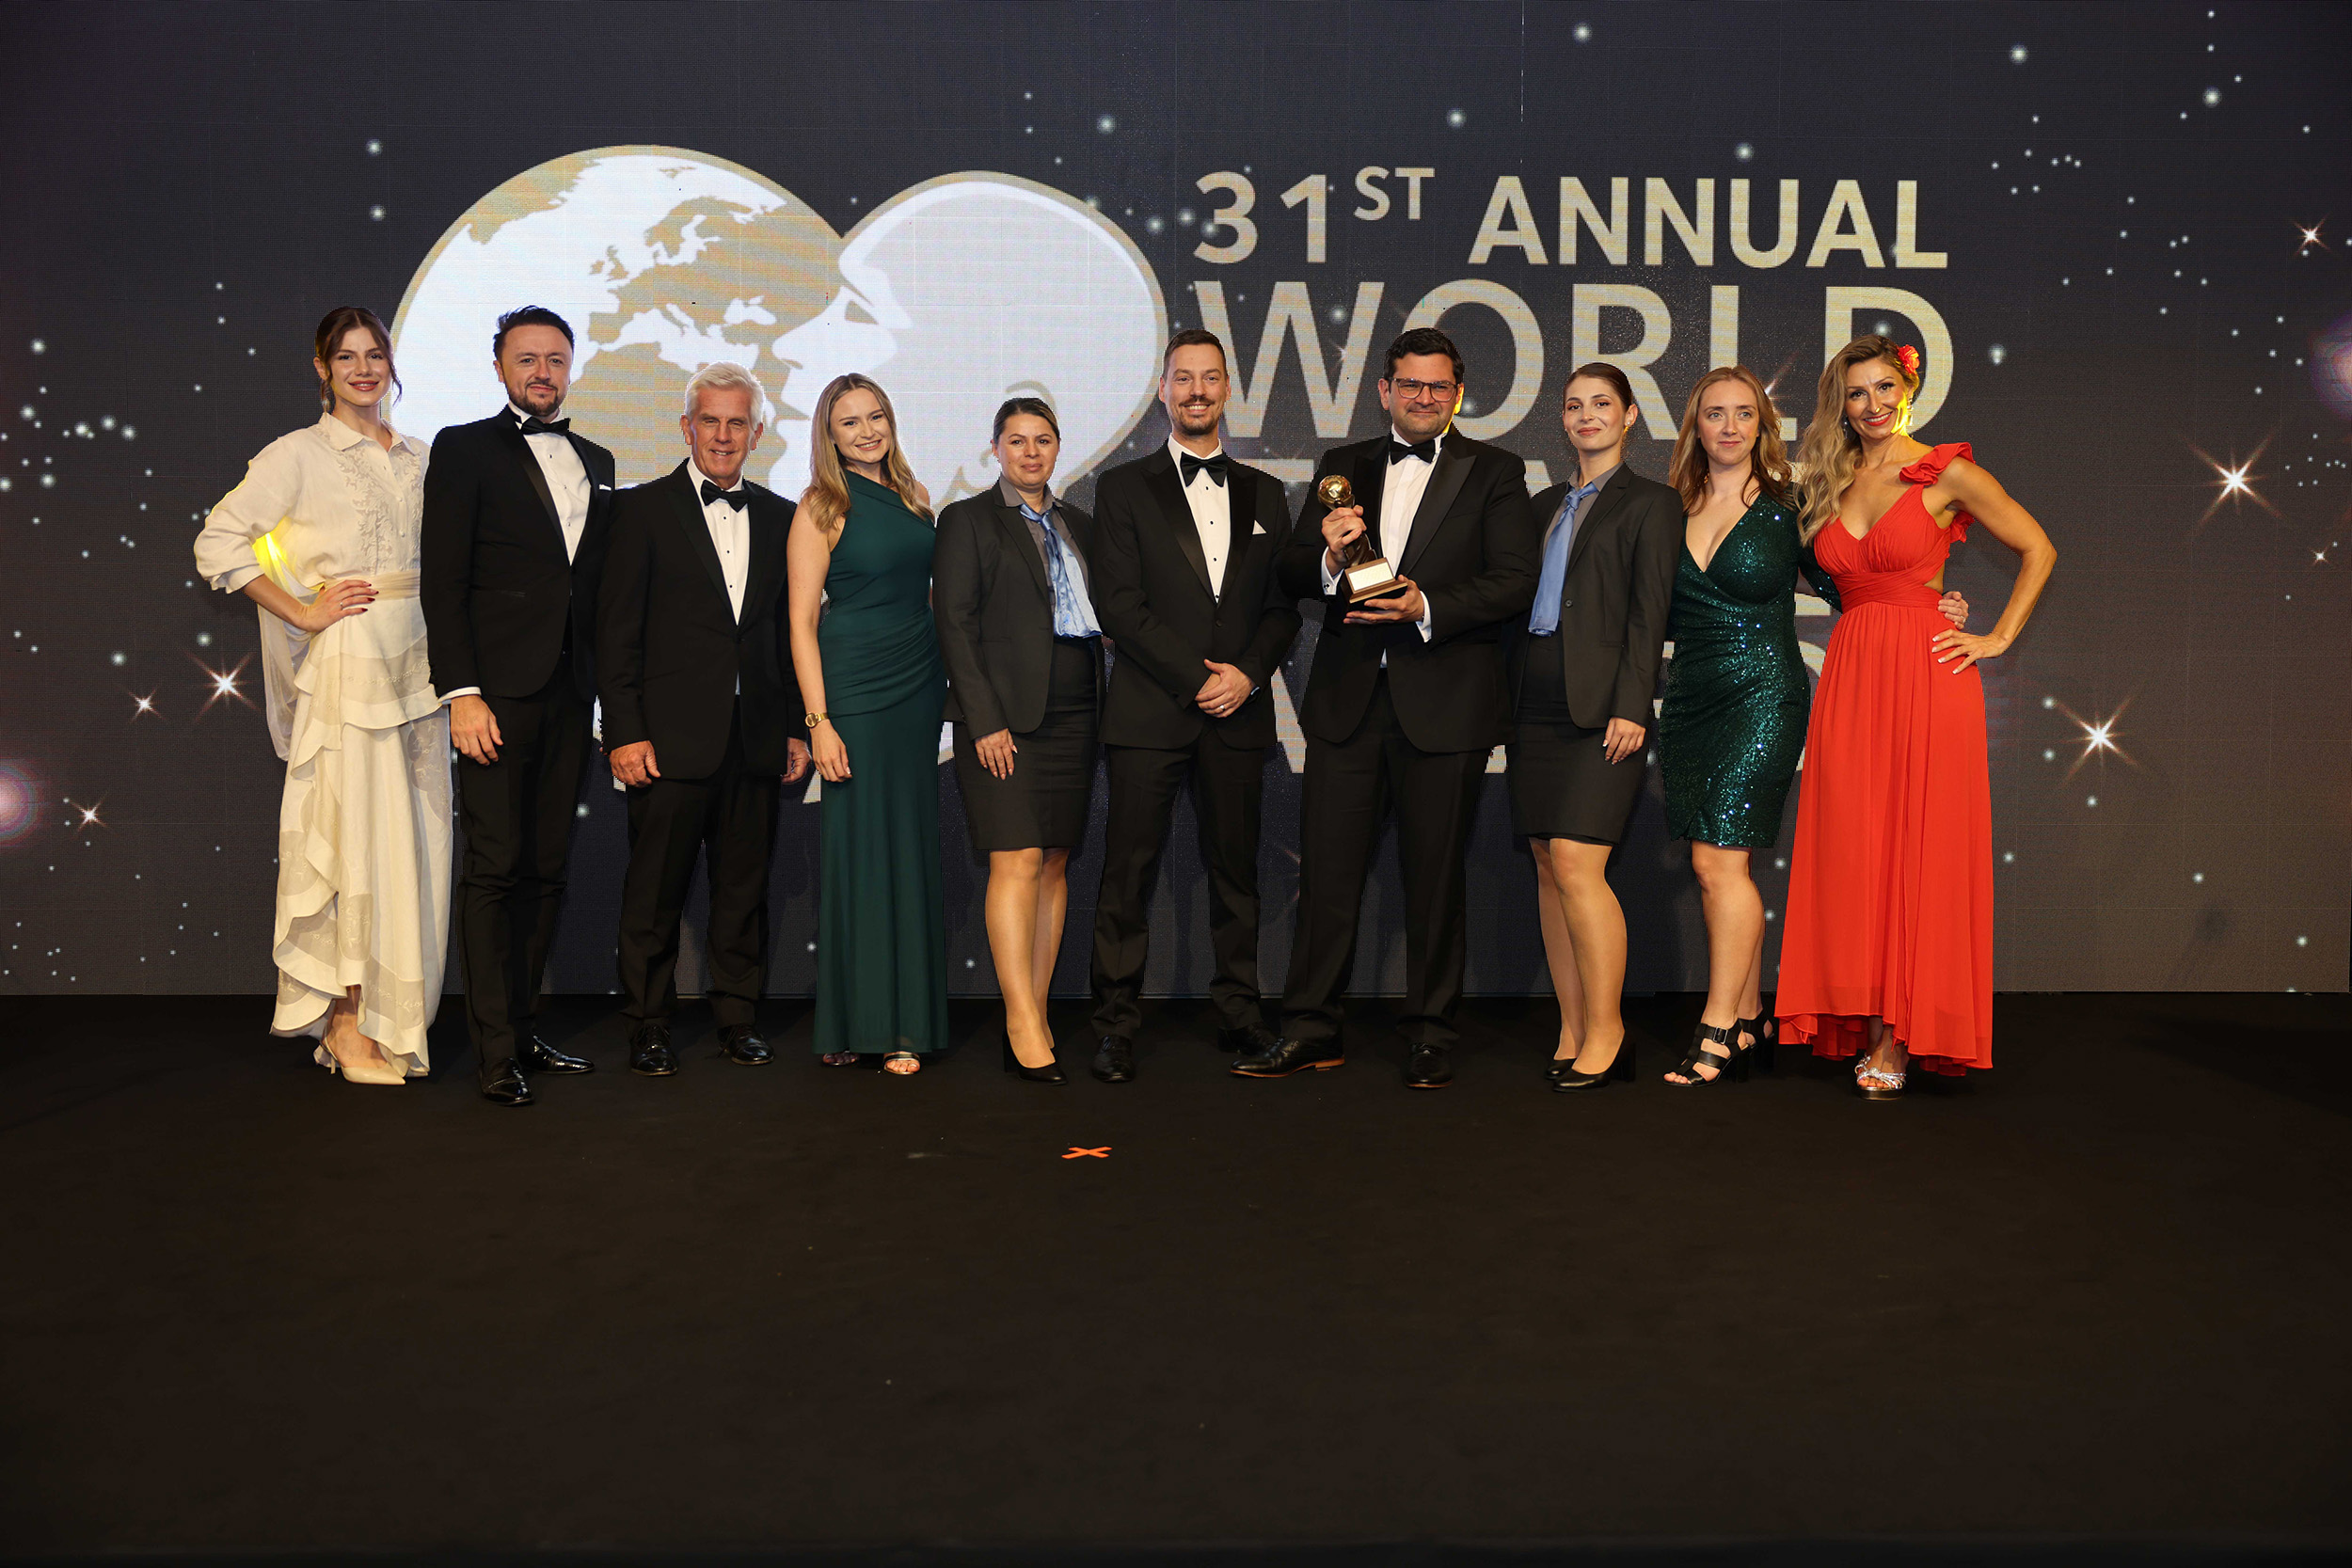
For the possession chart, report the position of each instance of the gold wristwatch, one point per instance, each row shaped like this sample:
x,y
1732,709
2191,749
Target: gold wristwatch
x,y
810,720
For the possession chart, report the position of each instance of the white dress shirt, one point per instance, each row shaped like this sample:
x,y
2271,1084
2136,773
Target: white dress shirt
x,y
1212,511
1400,497
567,481
730,534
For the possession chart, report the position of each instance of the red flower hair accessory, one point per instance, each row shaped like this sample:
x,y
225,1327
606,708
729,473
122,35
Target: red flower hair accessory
x,y
1910,358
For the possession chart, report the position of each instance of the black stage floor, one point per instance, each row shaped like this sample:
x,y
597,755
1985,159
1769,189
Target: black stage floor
x,y
2092,1304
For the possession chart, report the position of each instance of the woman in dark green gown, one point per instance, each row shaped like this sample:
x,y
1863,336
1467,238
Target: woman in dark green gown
x,y
871,672
1731,730
1733,724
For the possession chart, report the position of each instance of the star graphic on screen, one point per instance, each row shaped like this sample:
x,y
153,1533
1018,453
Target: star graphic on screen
x,y
88,816
224,684
142,707
2311,236
2099,739
2236,480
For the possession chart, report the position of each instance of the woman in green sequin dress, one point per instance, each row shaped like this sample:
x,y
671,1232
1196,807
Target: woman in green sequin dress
x,y
1731,731
871,672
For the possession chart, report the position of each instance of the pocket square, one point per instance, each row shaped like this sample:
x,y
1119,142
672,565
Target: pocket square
x,y
1257,528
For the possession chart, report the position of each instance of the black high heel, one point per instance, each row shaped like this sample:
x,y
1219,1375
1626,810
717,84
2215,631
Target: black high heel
x,y
1566,1080
1050,1073
1766,1032
1731,1063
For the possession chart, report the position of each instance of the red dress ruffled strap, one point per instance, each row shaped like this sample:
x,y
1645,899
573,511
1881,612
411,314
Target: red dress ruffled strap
x,y
1931,468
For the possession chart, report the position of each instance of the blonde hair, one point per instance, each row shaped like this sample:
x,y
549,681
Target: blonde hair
x,y
827,499
1768,460
1831,449
722,375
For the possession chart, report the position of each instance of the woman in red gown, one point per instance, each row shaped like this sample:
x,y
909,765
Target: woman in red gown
x,y
1888,942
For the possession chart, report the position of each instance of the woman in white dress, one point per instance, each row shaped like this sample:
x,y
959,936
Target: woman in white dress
x,y
322,536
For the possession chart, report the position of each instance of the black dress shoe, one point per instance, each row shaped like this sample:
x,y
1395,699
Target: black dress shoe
x,y
1250,1040
503,1083
539,1057
1287,1057
1115,1060
649,1050
1429,1067
743,1046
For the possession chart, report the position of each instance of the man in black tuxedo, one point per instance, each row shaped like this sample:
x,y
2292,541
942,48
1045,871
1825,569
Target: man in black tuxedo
x,y
1186,544
695,658
516,510
1405,701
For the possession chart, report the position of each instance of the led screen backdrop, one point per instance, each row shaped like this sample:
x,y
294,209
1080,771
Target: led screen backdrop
x,y
2116,233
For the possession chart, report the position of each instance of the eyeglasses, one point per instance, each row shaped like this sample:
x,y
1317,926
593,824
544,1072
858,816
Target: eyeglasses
x,y
1417,391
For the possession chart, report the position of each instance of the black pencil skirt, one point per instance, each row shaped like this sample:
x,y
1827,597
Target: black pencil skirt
x,y
1043,805
1563,784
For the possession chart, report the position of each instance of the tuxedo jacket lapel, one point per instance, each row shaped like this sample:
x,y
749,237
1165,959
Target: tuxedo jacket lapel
x,y
1241,506
767,554
530,461
600,472
1017,540
690,513
1611,497
1454,466
1168,488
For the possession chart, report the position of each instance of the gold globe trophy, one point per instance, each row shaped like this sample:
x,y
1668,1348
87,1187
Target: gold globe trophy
x,y
1364,571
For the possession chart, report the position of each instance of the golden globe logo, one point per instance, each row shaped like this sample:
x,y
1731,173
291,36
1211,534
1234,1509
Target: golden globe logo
x,y
956,293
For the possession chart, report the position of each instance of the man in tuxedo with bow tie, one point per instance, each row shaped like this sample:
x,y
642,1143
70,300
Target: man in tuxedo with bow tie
x,y
1186,543
516,510
695,664
1403,703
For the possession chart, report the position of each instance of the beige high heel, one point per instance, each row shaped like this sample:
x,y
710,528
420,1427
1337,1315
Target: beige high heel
x,y
367,1072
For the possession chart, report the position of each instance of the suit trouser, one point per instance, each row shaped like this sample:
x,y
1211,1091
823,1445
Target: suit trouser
x,y
730,819
519,813
1349,786
1227,784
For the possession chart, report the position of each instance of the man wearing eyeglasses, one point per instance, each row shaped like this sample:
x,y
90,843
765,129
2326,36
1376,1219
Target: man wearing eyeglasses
x,y
1403,703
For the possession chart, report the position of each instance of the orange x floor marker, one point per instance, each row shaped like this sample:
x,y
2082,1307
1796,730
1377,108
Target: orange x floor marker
x,y
1078,1153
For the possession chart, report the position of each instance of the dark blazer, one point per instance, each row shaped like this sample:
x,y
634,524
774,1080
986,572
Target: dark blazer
x,y
1473,552
1613,602
671,650
1152,591
995,609
498,592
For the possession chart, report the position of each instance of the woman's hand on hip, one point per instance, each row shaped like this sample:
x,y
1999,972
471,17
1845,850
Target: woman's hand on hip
x,y
1957,650
351,596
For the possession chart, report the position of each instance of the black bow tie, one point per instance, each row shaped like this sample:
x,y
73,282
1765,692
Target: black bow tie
x,y
535,426
1212,467
1426,451
738,498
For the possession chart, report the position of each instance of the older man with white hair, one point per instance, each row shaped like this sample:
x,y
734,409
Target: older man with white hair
x,y
699,713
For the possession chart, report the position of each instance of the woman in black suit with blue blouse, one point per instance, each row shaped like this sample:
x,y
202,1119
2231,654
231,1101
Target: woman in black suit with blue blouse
x,y
1022,645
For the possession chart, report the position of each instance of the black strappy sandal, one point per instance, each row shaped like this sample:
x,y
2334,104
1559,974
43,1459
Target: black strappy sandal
x,y
1766,1032
1731,1062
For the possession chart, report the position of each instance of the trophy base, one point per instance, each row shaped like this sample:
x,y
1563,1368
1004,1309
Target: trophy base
x,y
1373,579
